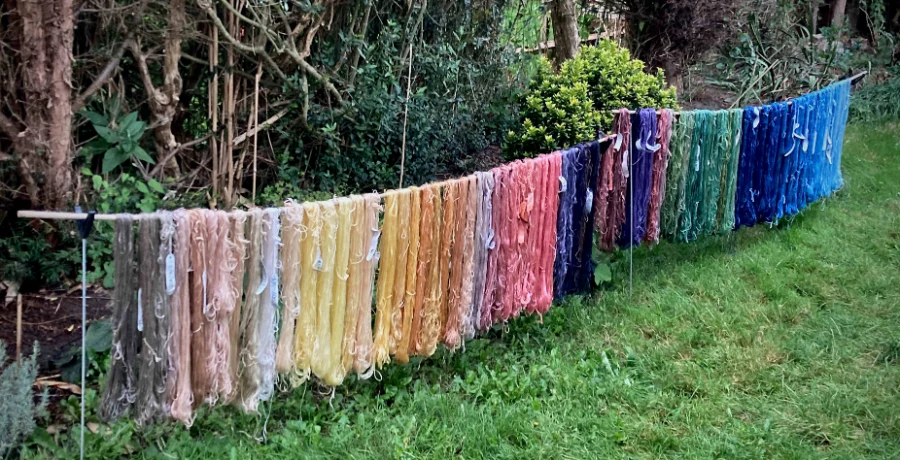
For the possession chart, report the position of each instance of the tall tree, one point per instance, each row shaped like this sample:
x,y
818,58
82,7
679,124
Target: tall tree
x,y
40,127
838,8
565,30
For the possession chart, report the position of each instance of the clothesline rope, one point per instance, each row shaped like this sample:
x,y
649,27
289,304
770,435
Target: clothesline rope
x,y
852,80
532,231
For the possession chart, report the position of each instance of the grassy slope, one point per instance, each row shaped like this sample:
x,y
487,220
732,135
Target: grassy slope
x,y
779,342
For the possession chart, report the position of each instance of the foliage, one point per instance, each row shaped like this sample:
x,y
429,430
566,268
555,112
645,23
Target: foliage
x,y
877,101
99,341
18,409
37,253
766,343
771,62
125,194
562,109
675,34
119,140
457,107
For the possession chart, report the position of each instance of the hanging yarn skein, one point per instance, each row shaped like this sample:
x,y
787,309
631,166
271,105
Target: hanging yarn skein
x,y
643,149
547,244
412,264
325,265
355,258
398,294
448,224
676,179
268,303
121,380
431,310
152,311
335,373
424,256
387,247
238,248
485,245
658,179
224,295
247,397
363,362
291,230
179,374
202,327
306,325
612,187
731,156
473,197
455,309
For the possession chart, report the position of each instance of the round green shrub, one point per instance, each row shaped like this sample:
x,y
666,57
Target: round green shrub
x,y
562,109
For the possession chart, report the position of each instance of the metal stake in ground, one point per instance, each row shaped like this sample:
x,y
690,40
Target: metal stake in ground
x,y
631,219
84,227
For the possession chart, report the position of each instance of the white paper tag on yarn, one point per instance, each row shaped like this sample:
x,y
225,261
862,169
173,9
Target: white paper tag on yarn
x,y
373,245
274,290
140,312
205,304
697,163
589,202
756,119
170,274
489,243
618,141
317,265
563,184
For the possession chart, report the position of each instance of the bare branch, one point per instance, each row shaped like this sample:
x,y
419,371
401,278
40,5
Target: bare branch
x,y
111,67
161,163
260,50
238,140
8,127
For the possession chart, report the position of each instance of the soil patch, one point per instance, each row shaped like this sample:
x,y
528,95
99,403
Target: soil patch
x,y
53,319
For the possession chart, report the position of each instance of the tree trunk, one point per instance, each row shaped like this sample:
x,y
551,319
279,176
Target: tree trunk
x,y
674,75
44,144
565,30
837,12
163,101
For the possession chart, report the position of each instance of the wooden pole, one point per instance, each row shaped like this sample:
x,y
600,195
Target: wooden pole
x,y
405,116
255,122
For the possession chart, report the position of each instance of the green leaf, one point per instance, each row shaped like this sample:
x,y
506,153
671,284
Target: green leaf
x,y
107,134
136,129
95,147
95,118
142,187
99,336
98,181
602,274
128,120
86,171
156,186
109,278
142,155
127,146
112,159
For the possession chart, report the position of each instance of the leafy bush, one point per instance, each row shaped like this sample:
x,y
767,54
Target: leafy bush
x,y
775,59
562,109
118,141
877,101
458,105
18,409
37,253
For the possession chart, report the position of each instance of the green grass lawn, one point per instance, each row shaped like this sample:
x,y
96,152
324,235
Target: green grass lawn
x,y
772,342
